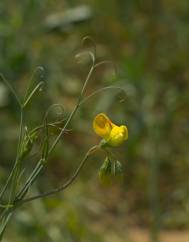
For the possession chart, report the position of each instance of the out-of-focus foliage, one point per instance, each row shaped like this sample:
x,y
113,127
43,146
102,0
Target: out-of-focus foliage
x,y
148,42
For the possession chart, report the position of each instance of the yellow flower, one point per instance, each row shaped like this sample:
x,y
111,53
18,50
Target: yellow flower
x,y
113,135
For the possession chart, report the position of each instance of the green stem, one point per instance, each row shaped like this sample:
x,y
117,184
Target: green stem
x,y
30,180
9,179
8,215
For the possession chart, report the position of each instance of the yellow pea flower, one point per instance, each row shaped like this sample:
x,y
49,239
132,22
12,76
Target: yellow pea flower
x,y
113,135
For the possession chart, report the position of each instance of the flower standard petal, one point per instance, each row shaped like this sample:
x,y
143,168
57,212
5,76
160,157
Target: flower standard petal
x,y
102,125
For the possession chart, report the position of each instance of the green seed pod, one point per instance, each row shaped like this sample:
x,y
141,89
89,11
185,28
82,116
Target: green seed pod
x,y
117,168
105,171
117,171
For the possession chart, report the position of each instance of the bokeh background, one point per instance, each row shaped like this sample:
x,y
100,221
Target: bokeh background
x,y
147,41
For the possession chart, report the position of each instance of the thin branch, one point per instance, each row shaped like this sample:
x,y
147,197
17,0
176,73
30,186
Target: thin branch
x,y
69,182
30,180
17,156
100,90
3,227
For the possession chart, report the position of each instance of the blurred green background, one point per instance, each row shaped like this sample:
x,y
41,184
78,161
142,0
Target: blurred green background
x,y
148,43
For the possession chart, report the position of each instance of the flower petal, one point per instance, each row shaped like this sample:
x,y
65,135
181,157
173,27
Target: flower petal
x,y
102,125
118,135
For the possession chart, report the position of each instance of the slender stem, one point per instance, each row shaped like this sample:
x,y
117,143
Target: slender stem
x,y
32,93
69,182
4,225
87,80
53,125
30,180
6,205
63,129
99,91
28,185
17,157
16,171
7,181
73,112
3,213
7,215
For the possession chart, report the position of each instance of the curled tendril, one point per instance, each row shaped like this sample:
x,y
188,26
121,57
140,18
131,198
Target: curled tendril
x,y
89,53
91,40
53,107
12,90
101,90
92,54
107,62
107,87
37,76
